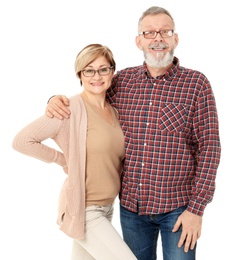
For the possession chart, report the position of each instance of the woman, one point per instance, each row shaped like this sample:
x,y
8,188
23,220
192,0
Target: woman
x,y
92,145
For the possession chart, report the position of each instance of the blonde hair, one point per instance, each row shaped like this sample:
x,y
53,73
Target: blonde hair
x,y
90,53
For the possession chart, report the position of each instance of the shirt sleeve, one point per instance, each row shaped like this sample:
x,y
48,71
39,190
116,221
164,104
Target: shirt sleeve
x,y
206,135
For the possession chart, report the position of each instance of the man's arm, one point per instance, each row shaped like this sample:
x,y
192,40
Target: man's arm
x,y
58,106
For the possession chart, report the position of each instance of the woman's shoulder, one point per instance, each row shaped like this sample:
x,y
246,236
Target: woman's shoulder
x,y
76,104
76,100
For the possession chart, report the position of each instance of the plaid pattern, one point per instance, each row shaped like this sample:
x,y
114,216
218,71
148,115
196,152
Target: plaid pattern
x,y
172,140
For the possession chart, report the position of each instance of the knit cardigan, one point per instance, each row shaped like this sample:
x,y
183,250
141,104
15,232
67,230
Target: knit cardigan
x,y
70,136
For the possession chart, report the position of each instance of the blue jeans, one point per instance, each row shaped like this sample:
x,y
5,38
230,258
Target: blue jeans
x,y
141,235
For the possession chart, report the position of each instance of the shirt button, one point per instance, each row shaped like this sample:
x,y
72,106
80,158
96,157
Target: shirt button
x,y
143,164
140,184
150,103
145,144
147,123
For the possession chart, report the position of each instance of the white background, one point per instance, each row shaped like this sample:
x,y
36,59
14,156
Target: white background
x,y
38,46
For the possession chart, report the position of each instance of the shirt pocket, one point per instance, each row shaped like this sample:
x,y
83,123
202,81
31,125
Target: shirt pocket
x,y
173,118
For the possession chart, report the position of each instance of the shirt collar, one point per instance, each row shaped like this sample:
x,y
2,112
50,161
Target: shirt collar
x,y
167,75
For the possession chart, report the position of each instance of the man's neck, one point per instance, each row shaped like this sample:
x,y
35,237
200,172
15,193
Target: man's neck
x,y
155,72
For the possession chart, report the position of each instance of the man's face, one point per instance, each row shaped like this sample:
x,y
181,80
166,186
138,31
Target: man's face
x,y
158,52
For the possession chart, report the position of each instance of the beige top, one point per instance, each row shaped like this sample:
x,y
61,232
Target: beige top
x,y
105,152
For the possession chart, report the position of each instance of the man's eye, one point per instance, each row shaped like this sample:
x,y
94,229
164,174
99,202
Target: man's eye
x,y
150,33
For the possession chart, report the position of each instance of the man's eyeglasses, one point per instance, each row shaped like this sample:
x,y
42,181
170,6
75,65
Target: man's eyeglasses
x,y
152,34
102,72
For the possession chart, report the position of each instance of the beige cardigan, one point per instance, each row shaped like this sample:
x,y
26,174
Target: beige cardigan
x,y
70,135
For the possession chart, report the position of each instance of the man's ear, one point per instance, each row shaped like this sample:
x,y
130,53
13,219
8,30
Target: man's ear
x,y
138,43
176,39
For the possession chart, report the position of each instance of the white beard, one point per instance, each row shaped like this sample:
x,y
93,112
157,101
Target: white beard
x,y
159,60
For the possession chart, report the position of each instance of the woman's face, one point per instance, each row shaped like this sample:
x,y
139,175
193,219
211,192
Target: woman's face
x,y
97,76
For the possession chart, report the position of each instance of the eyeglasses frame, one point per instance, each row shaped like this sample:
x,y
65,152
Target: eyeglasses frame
x,y
156,32
82,71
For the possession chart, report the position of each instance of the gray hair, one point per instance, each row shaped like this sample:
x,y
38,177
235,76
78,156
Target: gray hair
x,y
154,10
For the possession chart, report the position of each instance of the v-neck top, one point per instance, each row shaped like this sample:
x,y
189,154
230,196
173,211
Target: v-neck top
x,y
104,155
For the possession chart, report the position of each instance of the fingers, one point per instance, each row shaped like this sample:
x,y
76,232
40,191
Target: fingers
x,y
177,225
188,240
65,100
191,230
193,243
48,113
58,107
57,112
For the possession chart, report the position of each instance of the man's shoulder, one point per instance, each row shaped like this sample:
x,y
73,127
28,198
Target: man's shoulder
x,y
128,73
130,69
191,72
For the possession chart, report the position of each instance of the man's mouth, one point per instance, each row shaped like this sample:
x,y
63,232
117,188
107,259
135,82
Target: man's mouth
x,y
158,47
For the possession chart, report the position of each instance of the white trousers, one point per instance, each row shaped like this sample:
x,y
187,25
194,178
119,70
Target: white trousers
x,y
102,241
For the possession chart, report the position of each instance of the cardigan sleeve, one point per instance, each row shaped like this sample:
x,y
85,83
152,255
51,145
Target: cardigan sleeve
x,y
29,140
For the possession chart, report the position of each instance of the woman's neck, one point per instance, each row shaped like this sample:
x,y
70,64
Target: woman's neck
x,y
95,100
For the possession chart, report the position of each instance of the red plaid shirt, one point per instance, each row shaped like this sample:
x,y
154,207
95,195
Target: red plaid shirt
x,y
172,140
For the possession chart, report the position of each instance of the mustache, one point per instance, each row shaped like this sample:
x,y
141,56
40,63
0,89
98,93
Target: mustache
x,y
159,45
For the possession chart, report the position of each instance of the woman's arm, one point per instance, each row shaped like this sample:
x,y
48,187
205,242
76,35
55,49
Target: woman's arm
x,y
29,140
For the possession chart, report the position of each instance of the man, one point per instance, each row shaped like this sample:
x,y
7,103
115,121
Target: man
x,y
169,118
